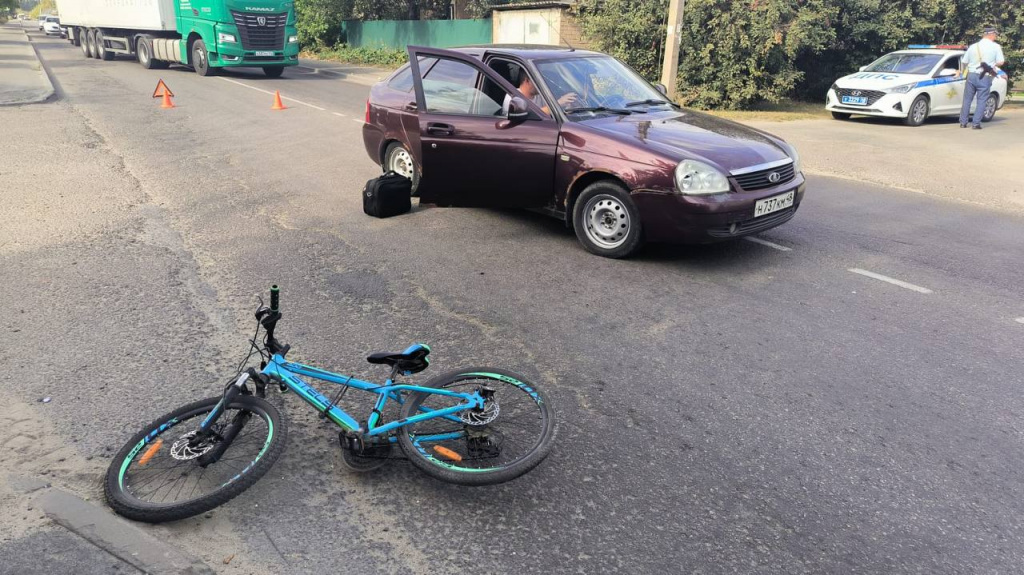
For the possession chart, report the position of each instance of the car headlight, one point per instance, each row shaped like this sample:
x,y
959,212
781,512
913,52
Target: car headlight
x,y
834,87
293,39
699,179
901,89
797,168
222,37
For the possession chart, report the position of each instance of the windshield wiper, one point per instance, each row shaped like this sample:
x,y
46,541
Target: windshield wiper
x,y
649,101
603,109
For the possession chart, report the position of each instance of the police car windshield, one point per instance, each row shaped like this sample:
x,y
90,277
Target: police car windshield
x,y
905,63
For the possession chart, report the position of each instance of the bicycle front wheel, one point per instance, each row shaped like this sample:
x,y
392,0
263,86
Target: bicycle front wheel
x,y
161,474
508,437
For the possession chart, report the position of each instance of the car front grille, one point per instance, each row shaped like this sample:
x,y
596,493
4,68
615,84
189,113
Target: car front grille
x,y
759,180
872,95
753,225
268,36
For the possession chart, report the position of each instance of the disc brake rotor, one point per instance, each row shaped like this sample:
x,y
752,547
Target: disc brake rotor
x,y
182,451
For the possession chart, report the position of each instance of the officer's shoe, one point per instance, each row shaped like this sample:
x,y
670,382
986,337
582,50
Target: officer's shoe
x,y
976,126
963,125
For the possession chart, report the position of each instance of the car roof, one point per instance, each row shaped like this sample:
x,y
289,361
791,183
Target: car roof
x,y
526,51
941,52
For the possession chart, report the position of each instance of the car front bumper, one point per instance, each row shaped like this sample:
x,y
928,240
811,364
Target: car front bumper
x,y
674,218
888,106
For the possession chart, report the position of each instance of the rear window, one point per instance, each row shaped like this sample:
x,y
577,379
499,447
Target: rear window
x,y
403,79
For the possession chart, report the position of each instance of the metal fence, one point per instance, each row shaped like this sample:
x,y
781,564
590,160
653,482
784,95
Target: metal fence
x,y
401,33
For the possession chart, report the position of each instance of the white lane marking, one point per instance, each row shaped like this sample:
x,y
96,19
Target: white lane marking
x,y
357,120
888,279
271,93
1019,320
767,243
338,114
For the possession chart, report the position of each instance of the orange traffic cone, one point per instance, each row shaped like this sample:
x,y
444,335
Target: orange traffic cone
x,y
167,103
277,101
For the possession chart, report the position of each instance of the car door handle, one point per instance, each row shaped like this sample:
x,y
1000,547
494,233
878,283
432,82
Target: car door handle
x,y
438,129
410,107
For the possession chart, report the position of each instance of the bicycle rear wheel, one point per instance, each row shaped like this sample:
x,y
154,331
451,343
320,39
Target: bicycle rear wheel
x,y
511,435
158,476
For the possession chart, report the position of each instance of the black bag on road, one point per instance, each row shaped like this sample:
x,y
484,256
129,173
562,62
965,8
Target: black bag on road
x,y
388,195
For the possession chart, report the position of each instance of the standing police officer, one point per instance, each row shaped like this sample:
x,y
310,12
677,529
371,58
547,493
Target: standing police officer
x,y
981,60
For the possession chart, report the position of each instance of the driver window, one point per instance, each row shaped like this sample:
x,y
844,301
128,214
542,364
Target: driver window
x,y
450,87
951,63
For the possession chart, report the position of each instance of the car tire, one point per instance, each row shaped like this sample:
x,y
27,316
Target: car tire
x,y
398,159
841,116
273,71
101,51
201,59
991,104
607,222
83,39
918,112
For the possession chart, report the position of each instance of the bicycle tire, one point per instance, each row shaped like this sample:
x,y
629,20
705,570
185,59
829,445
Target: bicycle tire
x,y
461,472
128,505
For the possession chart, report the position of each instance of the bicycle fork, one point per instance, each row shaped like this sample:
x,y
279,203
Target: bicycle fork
x,y
233,428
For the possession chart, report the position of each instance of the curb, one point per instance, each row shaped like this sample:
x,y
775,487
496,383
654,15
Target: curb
x,y
39,96
118,537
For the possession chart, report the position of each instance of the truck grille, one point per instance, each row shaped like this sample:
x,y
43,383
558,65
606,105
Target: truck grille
x,y
268,36
872,95
759,180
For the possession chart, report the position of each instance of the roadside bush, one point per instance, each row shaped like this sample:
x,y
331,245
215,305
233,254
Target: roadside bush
x,y
377,57
319,21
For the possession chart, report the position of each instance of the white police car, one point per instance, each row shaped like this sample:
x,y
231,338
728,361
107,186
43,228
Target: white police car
x,y
910,84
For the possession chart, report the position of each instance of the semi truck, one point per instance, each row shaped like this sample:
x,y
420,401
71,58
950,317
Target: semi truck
x,y
204,34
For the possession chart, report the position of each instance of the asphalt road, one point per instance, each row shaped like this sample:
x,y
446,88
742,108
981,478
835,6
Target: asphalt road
x,y
752,407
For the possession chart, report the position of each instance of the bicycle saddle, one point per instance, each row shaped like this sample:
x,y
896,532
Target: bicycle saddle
x,y
412,360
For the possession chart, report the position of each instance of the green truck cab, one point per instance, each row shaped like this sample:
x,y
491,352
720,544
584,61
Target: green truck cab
x,y
204,34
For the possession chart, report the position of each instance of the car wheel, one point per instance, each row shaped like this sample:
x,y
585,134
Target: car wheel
x,y
918,112
201,60
606,221
841,116
273,71
398,159
990,108
101,50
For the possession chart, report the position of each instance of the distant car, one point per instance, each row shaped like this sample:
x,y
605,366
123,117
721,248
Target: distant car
x,y
911,85
52,26
598,147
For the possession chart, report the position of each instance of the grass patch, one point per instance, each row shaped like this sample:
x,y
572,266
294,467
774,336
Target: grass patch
x,y
784,111
386,58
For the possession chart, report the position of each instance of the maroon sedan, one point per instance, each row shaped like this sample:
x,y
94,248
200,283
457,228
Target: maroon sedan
x,y
582,137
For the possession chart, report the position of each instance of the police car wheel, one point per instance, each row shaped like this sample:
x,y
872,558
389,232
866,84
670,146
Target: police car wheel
x,y
918,112
841,115
990,108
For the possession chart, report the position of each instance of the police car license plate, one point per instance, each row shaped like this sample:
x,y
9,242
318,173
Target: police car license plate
x,y
264,53
857,100
773,204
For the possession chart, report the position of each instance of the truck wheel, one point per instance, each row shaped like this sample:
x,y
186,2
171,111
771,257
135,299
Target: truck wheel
x,y
75,36
83,40
201,60
144,52
273,71
101,50
93,48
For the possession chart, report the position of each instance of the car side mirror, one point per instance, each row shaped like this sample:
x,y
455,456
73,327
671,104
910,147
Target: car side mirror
x,y
517,109
661,88
946,72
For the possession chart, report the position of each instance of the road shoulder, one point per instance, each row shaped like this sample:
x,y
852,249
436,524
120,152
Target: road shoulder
x,y
25,80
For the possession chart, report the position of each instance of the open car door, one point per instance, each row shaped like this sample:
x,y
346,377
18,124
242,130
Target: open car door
x,y
472,154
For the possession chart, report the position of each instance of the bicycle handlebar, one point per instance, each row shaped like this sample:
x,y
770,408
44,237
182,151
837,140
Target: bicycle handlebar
x,y
275,297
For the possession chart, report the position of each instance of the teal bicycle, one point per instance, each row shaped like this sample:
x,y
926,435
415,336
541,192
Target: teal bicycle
x,y
474,426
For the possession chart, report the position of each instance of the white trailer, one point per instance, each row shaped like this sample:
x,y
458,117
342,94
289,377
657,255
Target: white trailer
x,y
155,15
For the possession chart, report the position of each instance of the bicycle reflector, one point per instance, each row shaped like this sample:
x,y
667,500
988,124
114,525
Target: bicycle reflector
x,y
151,452
447,453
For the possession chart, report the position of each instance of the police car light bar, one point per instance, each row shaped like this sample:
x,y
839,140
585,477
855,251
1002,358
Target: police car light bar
x,y
936,47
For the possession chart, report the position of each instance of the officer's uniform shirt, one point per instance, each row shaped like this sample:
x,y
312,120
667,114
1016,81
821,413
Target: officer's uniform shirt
x,y
990,52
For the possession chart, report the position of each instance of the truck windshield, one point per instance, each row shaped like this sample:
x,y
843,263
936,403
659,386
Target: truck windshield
x,y
905,63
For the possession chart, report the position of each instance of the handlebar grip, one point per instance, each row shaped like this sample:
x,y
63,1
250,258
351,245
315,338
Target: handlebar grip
x,y
275,297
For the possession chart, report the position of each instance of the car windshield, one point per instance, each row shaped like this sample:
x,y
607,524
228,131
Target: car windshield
x,y
588,85
903,63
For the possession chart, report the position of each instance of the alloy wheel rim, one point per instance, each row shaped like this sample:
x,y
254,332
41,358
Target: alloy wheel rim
x,y
919,110
401,163
606,221
990,107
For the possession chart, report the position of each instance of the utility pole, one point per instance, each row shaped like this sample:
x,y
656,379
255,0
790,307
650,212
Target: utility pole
x,y
670,65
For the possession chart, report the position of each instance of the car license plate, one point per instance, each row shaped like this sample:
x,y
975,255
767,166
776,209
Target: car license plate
x,y
264,53
856,100
773,204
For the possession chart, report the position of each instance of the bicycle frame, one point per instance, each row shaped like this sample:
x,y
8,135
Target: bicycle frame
x,y
288,373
